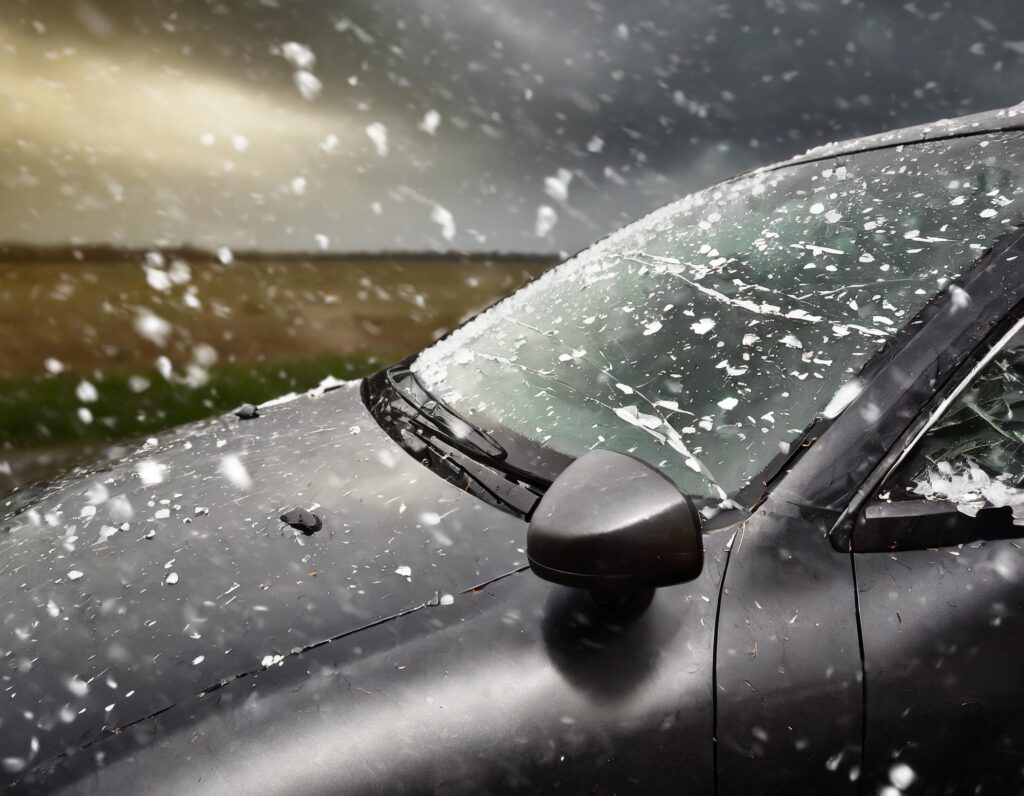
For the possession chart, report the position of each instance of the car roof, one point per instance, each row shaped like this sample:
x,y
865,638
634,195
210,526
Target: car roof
x,y
1011,118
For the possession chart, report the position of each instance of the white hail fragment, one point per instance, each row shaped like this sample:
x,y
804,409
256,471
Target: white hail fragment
x,y
703,326
557,187
86,392
308,84
152,327
77,686
378,134
298,55
231,468
546,220
444,219
431,121
150,472
971,489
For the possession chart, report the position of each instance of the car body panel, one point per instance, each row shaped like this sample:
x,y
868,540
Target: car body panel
x,y
789,671
247,586
788,659
943,628
519,685
944,663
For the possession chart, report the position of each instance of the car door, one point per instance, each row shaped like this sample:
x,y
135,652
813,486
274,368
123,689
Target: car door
x,y
940,575
790,655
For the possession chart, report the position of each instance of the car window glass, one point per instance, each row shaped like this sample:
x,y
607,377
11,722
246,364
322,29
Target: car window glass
x,y
707,336
973,455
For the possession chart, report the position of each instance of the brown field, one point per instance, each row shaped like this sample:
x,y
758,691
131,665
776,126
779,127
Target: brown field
x,y
83,313
257,327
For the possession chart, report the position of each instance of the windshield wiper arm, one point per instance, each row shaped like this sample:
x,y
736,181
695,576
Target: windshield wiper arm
x,y
445,421
489,483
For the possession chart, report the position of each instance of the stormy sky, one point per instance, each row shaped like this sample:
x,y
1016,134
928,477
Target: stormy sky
x,y
515,125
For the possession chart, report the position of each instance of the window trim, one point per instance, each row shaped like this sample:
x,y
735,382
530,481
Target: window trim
x,y
998,306
940,409
1009,323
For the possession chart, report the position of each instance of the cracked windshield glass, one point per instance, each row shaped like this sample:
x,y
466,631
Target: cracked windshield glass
x,y
705,337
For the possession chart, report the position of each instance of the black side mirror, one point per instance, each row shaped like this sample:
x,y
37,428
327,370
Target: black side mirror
x,y
615,525
885,526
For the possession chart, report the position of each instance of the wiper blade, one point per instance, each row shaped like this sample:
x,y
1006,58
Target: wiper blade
x,y
479,478
445,421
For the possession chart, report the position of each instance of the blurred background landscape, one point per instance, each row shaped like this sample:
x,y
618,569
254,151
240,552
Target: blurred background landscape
x,y
205,203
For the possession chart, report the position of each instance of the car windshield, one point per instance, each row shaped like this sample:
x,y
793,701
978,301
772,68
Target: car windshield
x,y
707,336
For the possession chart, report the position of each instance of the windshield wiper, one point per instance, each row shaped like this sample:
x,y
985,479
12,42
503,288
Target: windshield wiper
x,y
479,479
444,421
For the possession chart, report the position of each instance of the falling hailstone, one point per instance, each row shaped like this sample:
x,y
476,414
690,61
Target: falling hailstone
x,y
557,187
431,120
404,571
902,776
150,472
546,220
330,143
74,574
298,55
77,687
86,392
308,84
152,327
231,468
378,134
443,218
171,579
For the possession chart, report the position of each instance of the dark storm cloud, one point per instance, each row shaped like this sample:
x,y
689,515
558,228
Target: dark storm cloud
x,y
180,122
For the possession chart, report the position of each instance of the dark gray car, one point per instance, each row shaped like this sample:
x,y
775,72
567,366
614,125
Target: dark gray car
x,y
822,360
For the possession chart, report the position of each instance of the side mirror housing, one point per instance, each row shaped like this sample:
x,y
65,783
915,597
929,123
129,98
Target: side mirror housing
x,y
614,524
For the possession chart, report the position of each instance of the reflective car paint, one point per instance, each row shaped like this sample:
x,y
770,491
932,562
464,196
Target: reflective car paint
x,y
110,618
517,684
520,685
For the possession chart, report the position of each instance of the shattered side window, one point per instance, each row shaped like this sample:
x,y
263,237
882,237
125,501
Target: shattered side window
x,y
974,454
705,337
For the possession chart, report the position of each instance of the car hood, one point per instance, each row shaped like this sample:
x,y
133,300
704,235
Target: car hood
x,y
129,587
